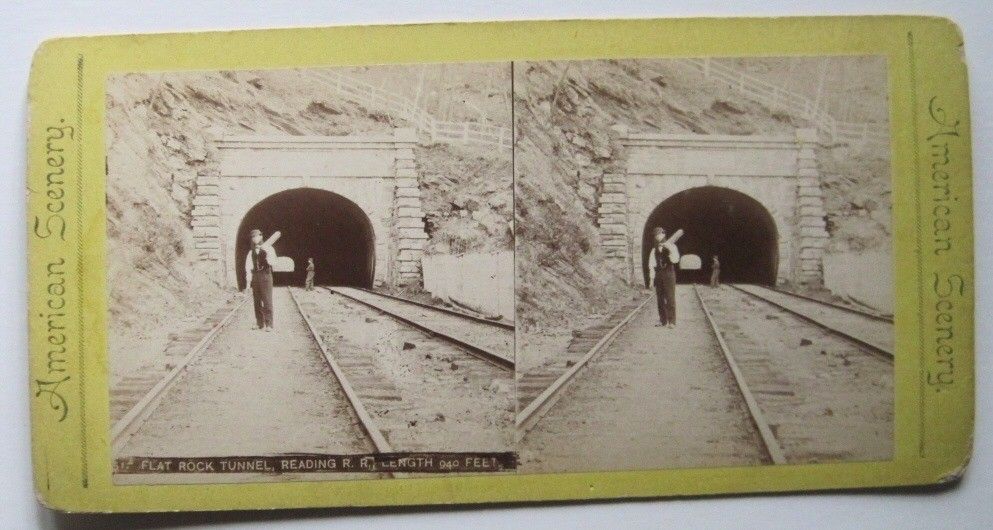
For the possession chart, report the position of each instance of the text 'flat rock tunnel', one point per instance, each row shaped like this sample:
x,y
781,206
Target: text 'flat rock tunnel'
x,y
722,222
317,224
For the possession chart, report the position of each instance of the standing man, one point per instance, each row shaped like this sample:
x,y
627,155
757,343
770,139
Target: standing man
x,y
308,284
715,271
662,264
258,273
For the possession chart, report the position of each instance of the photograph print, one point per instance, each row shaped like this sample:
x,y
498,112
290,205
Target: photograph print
x,y
529,267
704,263
310,273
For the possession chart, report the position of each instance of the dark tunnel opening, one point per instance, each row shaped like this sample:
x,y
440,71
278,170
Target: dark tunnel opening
x,y
314,224
722,222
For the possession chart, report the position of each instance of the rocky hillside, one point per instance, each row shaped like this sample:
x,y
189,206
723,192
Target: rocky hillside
x,y
849,87
158,132
565,112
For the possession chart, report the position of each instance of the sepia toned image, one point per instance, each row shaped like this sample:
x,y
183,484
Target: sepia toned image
x,y
392,271
310,273
438,264
704,263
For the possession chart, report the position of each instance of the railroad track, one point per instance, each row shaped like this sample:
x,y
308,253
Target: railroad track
x,y
772,446
871,331
129,423
426,389
365,419
132,387
133,421
485,321
848,309
537,406
390,409
807,405
489,340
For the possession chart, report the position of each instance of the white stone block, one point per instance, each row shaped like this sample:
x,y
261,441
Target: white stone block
x,y
612,218
612,208
812,231
412,244
206,231
409,222
614,177
207,242
812,221
411,233
205,220
206,209
408,192
208,190
812,211
809,241
613,229
206,200
409,254
404,211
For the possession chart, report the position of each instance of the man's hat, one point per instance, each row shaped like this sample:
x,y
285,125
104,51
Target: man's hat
x,y
255,232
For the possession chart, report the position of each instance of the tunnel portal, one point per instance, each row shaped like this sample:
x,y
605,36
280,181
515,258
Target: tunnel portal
x,y
723,222
315,224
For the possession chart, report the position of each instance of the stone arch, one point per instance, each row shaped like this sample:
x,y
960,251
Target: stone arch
x,y
376,172
779,172
718,221
317,224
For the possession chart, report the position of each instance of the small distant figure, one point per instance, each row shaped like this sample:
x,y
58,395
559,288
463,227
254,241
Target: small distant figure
x,y
309,282
715,271
663,260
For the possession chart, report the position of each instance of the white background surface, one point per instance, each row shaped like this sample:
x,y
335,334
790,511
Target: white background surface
x,y
24,24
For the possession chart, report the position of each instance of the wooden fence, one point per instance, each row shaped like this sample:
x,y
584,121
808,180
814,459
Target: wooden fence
x,y
450,132
861,136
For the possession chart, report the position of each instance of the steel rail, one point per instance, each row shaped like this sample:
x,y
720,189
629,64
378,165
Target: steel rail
x,y
873,316
475,350
365,419
527,418
885,352
772,446
481,320
125,427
